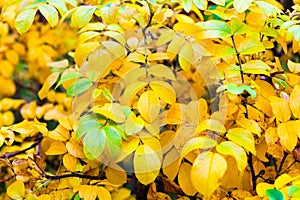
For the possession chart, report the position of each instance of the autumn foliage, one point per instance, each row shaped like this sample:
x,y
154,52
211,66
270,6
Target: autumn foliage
x,y
152,99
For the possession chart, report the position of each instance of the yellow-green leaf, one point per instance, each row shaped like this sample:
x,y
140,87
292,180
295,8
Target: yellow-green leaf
x,y
161,71
149,105
295,101
256,67
242,137
187,5
133,124
113,111
50,13
261,188
219,2
131,91
184,179
24,20
165,37
250,46
146,164
16,190
82,15
207,171
201,142
232,149
293,67
201,4
282,181
280,108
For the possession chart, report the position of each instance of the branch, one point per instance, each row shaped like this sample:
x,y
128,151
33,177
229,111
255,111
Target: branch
x,y
281,163
253,176
57,177
12,154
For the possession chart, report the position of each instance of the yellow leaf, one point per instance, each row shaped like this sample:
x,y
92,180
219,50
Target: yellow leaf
x,y
207,171
201,142
165,91
44,197
82,52
128,148
59,133
121,194
280,108
113,111
59,64
70,162
293,67
232,149
146,164
261,188
116,175
49,82
10,87
211,124
133,124
75,148
171,164
56,148
7,68
282,181
16,190
185,57
161,71
158,56
249,124
242,137
184,179
288,133
295,101
131,91
25,128
91,192
149,105
175,46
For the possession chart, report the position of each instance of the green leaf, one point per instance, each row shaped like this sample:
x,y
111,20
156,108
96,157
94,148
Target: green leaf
x,y
113,140
238,27
274,194
67,77
24,20
153,2
78,87
235,89
241,6
87,123
187,5
250,46
83,15
214,29
201,4
94,142
50,14
293,190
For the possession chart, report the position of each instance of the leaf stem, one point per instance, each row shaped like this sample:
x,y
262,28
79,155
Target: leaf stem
x,y
253,176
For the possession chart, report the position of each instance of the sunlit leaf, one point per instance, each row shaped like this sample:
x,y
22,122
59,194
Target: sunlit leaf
x,y
83,15
241,6
187,5
242,137
232,149
113,111
294,101
94,142
149,105
201,142
56,148
164,90
207,171
201,4
113,140
50,13
146,164
24,20
250,46
288,133
280,108
82,52
16,190
211,124
133,124
214,29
